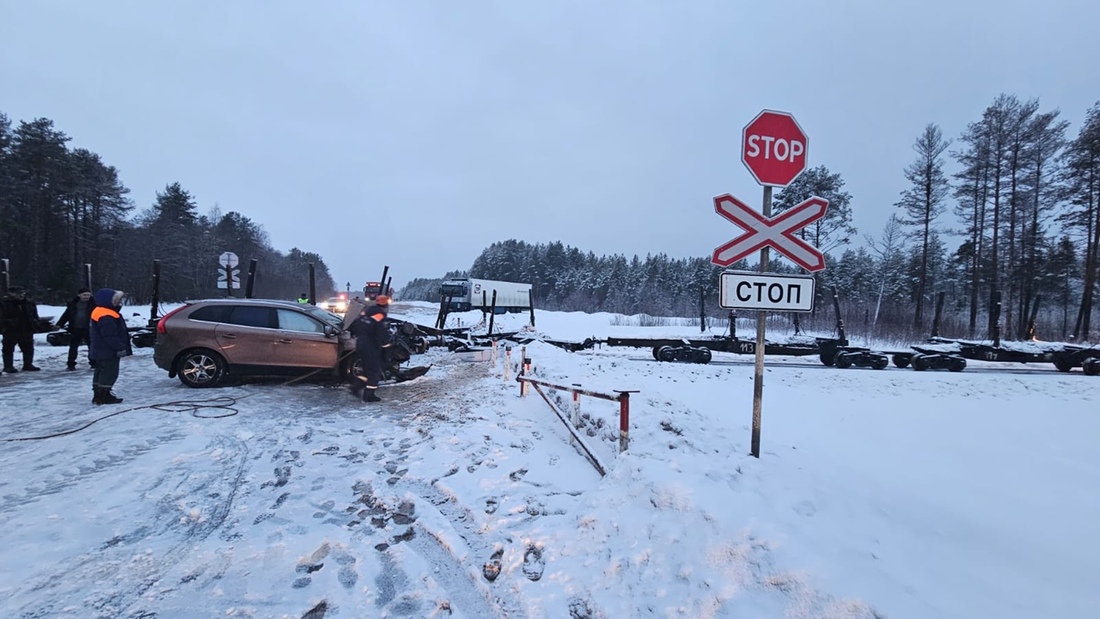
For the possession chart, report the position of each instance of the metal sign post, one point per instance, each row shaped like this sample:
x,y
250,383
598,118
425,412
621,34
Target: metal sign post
x,y
773,148
761,323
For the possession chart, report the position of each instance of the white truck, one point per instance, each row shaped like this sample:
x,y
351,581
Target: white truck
x,y
477,294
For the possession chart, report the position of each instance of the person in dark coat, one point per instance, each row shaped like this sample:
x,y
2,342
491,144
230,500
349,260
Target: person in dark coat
x,y
77,317
109,342
20,323
372,337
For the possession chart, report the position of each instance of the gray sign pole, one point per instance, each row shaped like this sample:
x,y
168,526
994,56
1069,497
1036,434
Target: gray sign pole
x,y
761,321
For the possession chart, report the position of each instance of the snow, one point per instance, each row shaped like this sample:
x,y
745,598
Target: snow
x,y
888,493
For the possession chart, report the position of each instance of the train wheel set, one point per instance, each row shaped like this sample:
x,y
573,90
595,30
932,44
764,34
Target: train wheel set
x,y
938,354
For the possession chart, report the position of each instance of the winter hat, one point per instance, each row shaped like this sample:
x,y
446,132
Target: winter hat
x,y
83,290
108,297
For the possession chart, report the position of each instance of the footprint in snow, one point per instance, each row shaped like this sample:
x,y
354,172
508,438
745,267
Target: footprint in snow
x,y
533,563
492,568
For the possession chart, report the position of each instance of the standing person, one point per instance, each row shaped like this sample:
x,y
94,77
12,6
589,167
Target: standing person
x,y
371,337
77,315
303,298
109,342
19,325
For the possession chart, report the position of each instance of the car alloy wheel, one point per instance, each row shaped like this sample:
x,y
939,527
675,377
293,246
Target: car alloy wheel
x,y
201,368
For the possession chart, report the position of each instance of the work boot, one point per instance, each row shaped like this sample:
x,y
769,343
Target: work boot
x,y
369,395
70,367
106,397
31,368
10,369
97,397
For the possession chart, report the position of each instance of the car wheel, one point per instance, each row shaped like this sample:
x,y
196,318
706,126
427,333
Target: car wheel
x,y
702,355
901,361
353,367
956,364
657,352
827,359
200,367
843,361
880,363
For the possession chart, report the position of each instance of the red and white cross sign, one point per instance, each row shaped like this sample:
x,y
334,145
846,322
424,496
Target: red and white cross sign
x,y
776,232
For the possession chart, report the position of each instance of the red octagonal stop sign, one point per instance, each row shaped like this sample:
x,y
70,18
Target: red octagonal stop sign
x,y
773,148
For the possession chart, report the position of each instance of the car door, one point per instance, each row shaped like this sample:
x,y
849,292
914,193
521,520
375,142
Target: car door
x,y
302,341
248,336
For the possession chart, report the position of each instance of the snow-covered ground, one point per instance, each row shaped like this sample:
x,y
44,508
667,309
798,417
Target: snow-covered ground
x,y
887,493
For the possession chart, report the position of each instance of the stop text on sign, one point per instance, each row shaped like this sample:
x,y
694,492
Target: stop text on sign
x,y
773,147
766,291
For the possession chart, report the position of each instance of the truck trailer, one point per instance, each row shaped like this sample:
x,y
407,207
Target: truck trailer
x,y
465,294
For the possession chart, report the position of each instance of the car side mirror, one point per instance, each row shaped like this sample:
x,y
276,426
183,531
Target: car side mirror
x,y
330,330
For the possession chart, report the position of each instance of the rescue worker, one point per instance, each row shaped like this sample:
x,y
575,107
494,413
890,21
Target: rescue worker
x,y
19,325
372,337
77,316
303,298
110,342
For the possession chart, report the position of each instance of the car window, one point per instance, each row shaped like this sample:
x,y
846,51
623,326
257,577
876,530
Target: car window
x,y
212,313
325,316
251,316
291,320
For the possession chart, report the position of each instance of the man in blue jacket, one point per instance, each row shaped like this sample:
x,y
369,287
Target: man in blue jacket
x,y
371,337
109,342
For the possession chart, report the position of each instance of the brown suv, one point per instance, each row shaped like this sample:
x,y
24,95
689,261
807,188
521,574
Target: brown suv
x,y
204,341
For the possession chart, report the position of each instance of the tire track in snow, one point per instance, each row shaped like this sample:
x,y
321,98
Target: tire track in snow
x,y
130,561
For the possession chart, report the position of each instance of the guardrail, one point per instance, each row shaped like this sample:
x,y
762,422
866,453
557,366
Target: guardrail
x,y
622,397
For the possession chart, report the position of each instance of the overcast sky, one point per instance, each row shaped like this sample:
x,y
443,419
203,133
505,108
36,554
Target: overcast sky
x,y
415,134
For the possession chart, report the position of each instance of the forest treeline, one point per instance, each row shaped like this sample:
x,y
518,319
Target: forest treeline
x,y
62,208
1020,209
1025,202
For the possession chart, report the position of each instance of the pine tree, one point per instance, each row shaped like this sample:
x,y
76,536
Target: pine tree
x,y
1082,177
833,230
923,201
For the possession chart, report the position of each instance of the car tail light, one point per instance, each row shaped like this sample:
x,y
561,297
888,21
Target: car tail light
x,y
160,323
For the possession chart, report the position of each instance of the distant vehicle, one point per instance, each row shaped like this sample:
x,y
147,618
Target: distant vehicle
x,y
373,289
336,305
467,294
203,342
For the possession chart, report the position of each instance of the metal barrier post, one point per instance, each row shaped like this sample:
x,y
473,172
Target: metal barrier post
x,y
576,406
523,361
624,419
507,363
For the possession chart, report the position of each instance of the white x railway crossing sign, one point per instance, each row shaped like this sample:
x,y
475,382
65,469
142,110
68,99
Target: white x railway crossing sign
x,y
776,232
